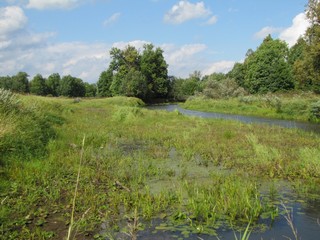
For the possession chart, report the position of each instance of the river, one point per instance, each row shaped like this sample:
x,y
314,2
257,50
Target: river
x,y
311,127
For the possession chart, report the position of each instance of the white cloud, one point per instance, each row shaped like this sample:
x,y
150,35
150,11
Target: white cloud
x,y
299,26
212,20
266,31
184,59
291,34
46,4
138,44
12,19
184,11
217,67
111,19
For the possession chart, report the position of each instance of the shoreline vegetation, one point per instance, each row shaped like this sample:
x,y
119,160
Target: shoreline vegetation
x,y
300,106
143,169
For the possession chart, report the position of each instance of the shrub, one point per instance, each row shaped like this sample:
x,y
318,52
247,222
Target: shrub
x,y
8,101
315,110
223,89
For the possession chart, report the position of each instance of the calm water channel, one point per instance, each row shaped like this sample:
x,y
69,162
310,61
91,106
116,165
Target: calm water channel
x,y
306,213
312,127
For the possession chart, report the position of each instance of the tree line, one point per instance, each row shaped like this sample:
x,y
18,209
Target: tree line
x,y
272,67
54,85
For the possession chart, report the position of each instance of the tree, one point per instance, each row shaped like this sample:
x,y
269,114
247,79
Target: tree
x,y
311,59
91,89
20,83
127,68
268,69
190,86
104,83
53,84
6,82
38,85
238,73
155,70
122,62
135,84
72,87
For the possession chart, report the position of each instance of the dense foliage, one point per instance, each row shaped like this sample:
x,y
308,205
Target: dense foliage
x,y
54,85
135,74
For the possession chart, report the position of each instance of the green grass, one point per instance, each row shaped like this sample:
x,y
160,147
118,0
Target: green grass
x,y
138,164
292,106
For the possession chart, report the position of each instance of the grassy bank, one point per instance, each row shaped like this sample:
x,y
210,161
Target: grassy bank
x,y
192,175
298,106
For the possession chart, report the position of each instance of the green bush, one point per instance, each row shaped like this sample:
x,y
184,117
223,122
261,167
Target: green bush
x,y
8,101
223,89
315,110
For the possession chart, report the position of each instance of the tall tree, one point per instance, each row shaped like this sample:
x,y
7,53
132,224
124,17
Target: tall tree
x,y
130,67
72,87
91,89
134,84
122,62
268,69
53,83
20,82
238,73
311,59
38,85
104,83
6,82
155,70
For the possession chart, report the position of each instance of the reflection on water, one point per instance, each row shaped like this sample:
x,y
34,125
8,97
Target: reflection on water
x,y
312,127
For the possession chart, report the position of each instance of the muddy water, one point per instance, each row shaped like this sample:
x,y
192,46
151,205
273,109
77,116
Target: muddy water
x,y
312,127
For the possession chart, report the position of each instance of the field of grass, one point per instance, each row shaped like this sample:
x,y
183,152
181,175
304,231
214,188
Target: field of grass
x,y
140,167
294,106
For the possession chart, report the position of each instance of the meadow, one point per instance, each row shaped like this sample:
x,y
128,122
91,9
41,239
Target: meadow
x,y
111,169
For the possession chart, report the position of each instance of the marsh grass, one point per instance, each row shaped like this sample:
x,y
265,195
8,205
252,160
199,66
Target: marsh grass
x,y
195,175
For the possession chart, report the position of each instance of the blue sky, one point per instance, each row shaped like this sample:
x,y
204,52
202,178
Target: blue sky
x,y
75,36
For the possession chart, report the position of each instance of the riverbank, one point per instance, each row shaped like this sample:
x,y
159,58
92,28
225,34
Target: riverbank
x,y
142,169
299,106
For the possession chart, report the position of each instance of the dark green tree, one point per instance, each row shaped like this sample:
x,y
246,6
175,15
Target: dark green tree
x,y
238,73
72,87
104,83
268,69
155,70
91,89
20,83
53,84
122,62
135,84
6,82
127,68
38,85
310,62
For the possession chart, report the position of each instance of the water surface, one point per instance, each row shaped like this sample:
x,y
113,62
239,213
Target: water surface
x,y
312,127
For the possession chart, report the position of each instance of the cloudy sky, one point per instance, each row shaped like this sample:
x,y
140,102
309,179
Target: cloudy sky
x,y
75,36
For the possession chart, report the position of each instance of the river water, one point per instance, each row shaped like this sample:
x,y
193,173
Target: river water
x,y
311,127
